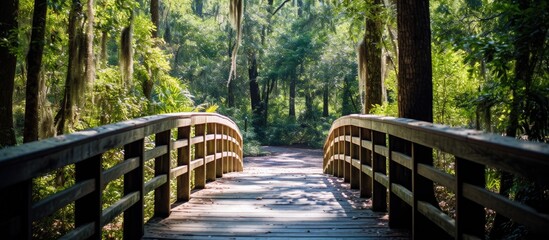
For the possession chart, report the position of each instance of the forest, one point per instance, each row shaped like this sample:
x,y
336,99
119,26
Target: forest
x,y
283,70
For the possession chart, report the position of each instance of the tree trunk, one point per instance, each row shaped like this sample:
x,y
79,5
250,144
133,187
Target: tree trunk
x,y
373,57
293,83
255,97
103,55
90,57
34,63
415,86
230,95
346,104
155,17
8,25
74,82
415,100
325,95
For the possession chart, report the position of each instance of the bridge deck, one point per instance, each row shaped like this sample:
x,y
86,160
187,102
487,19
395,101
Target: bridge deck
x,y
281,196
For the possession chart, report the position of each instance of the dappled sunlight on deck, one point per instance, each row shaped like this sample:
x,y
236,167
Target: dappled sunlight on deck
x,y
284,195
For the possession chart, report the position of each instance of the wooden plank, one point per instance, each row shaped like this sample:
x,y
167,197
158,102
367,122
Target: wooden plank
x,y
154,183
437,176
178,171
438,217
402,159
177,144
284,195
85,231
56,201
118,207
119,169
520,213
382,178
403,193
155,152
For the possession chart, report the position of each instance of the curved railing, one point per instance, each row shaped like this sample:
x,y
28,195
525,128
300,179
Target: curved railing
x,y
209,144
358,147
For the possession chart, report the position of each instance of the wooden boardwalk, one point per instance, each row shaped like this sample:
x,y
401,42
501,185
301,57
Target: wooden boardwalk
x,y
281,196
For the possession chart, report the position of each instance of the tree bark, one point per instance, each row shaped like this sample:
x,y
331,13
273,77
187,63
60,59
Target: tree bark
x,y
34,63
325,98
155,17
293,84
90,57
415,86
8,27
415,100
255,97
373,57
74,79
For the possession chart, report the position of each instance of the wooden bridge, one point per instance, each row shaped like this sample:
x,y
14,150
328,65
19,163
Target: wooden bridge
x,y
382,181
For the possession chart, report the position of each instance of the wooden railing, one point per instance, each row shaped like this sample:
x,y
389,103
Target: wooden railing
x,y
208,144
358,147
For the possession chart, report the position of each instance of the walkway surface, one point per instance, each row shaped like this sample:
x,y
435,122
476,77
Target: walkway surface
x,y
281,196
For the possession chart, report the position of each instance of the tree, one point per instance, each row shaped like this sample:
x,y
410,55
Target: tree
x,y
75,80
369,55
415,100
34,63
8,58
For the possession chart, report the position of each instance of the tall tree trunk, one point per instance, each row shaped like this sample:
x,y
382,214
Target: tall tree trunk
x,y
325,95
230,95
415,100
155,18
346,104
90,56
103,55
415,86
293,83
74,82
8,26
373,56
255,97
34,63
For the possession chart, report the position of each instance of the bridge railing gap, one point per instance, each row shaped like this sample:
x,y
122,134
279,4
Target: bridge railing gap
x,y
216,140
391,161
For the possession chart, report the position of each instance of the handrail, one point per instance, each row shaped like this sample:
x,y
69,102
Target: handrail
x,y
358,147
215,140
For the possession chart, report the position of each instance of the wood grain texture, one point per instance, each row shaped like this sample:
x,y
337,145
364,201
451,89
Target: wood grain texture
x,y
281,196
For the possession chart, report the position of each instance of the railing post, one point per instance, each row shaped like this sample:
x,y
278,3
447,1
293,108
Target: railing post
x,y
200,152
340,152
470,216
210,149
226,164
162,166
332,166
379,165
219,150
347,155
88,209
133,182
365,157
355,154
184,158
422,189
400,213
15,204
